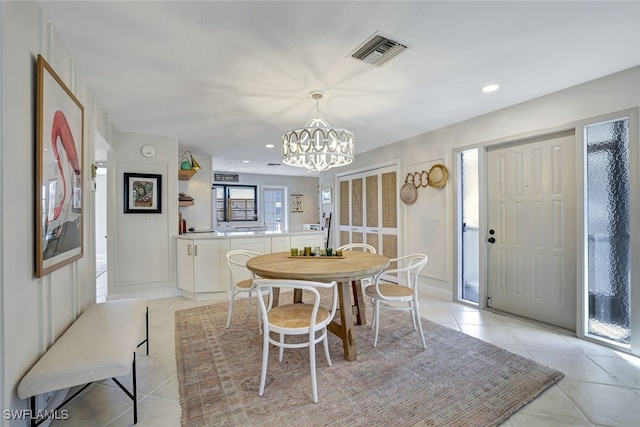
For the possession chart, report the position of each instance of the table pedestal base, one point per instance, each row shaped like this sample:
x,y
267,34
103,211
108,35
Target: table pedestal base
x,y
344,329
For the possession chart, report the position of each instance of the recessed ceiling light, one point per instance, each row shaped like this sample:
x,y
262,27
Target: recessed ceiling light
x,y
245,161
269,145
490,88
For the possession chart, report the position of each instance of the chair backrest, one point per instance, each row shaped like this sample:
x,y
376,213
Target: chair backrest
x,y
407,269
237,263
363,246
305,285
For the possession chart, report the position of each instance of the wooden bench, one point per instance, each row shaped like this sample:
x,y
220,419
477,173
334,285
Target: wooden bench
x,y
97,346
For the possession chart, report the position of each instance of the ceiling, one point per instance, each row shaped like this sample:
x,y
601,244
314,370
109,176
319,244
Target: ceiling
x,y
226,78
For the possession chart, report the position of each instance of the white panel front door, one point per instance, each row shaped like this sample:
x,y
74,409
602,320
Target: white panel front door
x,y
532,230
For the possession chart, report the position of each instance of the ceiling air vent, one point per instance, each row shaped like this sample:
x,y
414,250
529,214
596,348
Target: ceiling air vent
x,y
378,49
274,164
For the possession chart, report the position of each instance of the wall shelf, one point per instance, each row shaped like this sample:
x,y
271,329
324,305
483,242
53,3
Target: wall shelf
x,y
185,175
186,203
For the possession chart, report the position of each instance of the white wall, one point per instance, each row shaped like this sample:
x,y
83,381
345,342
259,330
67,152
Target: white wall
x,y
612,93
34,312
142,260
200,215
307,186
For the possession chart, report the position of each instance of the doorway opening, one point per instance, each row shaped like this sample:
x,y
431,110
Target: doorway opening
x,y
100,210
101,232
547,204
516,242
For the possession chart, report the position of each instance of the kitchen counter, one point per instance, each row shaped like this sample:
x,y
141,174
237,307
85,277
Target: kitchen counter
x,y
202,256
197,235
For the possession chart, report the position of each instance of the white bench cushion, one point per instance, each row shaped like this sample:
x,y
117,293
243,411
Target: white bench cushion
x,y
97,346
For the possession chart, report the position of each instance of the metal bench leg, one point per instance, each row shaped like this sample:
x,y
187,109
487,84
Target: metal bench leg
x,y
146,326
133,396
35,421
135,386
33,411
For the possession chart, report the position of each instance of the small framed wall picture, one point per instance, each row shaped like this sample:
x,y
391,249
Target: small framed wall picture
x,y
296,202
326,195
142,193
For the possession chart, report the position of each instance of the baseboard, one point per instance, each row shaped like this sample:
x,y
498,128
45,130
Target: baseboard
x,y
206,296
435,291
157,294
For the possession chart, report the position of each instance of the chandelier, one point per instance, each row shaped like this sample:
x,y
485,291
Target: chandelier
x,y
317,146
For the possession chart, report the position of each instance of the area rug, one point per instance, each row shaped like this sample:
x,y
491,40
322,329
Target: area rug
x,y
457,381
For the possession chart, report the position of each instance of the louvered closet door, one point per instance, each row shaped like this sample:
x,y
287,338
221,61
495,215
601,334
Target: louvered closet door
x,y
368,210
388,208
372,214
344,209
357,210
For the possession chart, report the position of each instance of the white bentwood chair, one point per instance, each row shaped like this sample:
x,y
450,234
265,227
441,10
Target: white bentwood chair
x,y
241,279
295,319
364,247
405,291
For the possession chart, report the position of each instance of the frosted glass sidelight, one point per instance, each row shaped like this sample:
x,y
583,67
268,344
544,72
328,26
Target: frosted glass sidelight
x,y
608,229
470,225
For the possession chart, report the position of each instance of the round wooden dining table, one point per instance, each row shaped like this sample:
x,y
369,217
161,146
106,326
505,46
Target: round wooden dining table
x,y
346,270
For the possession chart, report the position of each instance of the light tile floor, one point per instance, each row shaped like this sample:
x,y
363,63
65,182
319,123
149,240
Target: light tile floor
x,y
601,386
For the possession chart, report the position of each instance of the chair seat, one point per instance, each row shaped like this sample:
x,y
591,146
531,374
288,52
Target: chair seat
x,y
295,315
390,290
407,271
244,284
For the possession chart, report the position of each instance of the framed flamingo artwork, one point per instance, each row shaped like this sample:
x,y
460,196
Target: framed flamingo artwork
x,y
59,172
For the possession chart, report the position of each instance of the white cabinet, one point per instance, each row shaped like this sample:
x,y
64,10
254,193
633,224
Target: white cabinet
x,y
304,240
262,245
202,260
280,244
202,265
185,265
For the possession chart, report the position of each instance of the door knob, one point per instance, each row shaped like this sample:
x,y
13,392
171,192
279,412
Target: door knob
x,y
491,240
